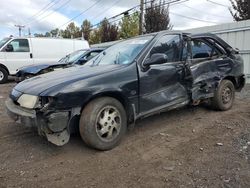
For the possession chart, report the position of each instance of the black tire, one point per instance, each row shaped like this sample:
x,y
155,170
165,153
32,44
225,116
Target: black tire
x,y
3,75
103,123
224,96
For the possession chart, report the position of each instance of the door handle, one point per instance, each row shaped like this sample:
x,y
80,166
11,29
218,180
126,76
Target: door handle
x,y
31,55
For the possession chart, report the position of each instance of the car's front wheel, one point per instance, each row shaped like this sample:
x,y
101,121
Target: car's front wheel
x,y
3,75
103,123
224,96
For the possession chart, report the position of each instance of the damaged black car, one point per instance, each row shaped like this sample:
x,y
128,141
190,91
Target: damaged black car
x,y
130,80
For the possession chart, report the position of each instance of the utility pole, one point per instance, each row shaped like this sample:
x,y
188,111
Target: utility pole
x,y
20,29
29,32
141,17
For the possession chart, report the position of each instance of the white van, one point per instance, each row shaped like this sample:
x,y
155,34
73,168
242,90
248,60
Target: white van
x,y
23,51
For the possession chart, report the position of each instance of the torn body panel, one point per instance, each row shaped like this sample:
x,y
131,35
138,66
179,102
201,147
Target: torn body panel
x,y
53,125
222,63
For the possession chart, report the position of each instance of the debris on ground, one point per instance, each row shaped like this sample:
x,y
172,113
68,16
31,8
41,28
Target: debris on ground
x,y
167,150
219,144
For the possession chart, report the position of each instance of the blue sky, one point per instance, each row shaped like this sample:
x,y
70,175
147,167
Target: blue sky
x,y
44,15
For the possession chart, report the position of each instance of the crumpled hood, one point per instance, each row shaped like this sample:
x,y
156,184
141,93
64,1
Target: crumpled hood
x,y
62,78
34,69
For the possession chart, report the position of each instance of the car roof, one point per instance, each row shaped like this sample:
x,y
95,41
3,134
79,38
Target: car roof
x,y
92,49
96,49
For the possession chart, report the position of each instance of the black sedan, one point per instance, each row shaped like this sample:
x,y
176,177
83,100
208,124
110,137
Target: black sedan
x,y
78,57
128,81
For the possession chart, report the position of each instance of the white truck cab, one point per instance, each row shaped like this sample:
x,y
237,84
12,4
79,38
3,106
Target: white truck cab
x,y
17,52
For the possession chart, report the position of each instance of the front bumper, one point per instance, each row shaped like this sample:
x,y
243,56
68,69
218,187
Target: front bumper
x,y
21,115
54,126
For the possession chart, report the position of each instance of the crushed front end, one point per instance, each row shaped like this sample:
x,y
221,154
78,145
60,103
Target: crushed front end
x,y
36,111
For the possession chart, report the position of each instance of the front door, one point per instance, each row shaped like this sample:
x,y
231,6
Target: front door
x,y
19,56
161,84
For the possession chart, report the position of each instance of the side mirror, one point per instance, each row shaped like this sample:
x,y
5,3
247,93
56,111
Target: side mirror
x,y
157,58
9,48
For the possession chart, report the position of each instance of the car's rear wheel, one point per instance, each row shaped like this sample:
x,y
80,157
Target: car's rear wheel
x,y
103,123
224,96
3,75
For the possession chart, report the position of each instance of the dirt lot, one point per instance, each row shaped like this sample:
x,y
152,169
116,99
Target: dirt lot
x,y
191,147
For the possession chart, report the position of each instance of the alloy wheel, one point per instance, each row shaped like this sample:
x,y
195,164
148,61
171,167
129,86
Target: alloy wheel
x,y
108,123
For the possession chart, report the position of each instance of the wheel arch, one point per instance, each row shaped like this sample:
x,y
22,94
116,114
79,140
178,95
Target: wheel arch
x,y
4,67
238,82
118,96
232,79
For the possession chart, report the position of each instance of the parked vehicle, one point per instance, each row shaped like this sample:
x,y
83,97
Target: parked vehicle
x,y
78,57
133,79
19,52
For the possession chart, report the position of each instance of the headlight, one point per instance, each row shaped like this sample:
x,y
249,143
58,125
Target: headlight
x,y
28,101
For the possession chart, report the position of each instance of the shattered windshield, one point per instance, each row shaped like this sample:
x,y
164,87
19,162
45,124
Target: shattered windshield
x,y
71,58
122,53
4,41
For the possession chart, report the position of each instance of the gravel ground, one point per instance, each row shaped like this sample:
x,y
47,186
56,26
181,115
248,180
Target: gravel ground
x,y
189,147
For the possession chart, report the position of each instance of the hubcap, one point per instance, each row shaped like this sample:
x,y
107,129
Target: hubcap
x,y
226,95
1,76
108,123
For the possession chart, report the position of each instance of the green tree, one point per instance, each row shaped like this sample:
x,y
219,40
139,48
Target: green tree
x,y
104,30
39,35
157,17
71,31
86,28
129,26
108,32
113,32
47,34
54,32
240,9
95,37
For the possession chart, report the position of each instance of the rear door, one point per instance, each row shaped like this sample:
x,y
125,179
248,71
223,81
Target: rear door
x,y
20,55
205,59
161,85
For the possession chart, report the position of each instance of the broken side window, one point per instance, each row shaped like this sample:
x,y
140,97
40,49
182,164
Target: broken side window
x,y
202,50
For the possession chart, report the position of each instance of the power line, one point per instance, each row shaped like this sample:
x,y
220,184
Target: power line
x,y
50,7
111,18
170,2
39,19
107,9
198,10
122,13
79,14
41,9
187,17
178,2
125,12
110,21
213,2
191,18
44,9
